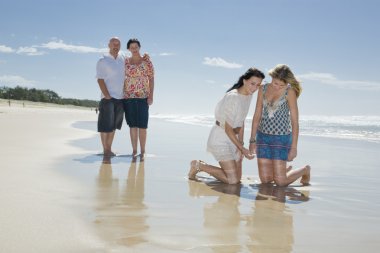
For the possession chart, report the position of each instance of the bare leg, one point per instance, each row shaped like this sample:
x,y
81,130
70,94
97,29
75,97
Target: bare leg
x,y
107,139
284,179
266,170
142,139
227,173
133,133
103,137
239,168
110,137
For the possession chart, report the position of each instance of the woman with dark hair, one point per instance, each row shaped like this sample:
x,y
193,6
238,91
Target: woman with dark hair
x,y
225,141
138,94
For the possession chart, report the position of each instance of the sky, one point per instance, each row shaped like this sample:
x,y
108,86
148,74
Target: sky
x,y
199,48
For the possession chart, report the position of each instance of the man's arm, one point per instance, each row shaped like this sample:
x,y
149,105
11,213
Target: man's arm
x,y
103,88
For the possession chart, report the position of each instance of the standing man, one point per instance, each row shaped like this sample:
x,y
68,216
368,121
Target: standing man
x,y
110,72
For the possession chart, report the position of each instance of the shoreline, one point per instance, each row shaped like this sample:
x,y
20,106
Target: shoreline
x,y
37,199
81,204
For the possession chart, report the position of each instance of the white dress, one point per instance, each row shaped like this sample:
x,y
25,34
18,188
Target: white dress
x,y
233,109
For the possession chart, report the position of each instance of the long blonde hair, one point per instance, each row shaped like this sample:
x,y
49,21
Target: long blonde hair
x,y
283,72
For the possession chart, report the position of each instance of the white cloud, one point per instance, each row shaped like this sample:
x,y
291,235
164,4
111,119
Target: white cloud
x,y
32,51
219,62
60,45
12,81
330,79
166,54
5,49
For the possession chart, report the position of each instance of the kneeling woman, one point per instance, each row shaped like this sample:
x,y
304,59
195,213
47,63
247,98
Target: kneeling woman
x,y
274,134
226,137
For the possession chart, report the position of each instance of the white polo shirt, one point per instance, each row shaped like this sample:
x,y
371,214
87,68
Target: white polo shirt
x,y
112,71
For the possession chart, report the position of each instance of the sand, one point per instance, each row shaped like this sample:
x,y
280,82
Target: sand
x,y
36,198
58,195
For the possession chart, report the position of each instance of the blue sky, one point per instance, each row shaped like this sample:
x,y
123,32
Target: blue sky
x,y
200,47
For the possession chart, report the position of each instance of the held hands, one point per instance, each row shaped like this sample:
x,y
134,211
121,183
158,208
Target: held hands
x,y
248,154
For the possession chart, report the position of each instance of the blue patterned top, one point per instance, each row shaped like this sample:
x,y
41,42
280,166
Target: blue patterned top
x,y
275,118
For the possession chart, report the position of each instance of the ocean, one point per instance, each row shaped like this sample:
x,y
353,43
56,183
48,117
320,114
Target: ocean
x,y
363,128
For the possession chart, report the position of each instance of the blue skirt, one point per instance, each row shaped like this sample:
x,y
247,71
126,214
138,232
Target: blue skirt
x,y
273,147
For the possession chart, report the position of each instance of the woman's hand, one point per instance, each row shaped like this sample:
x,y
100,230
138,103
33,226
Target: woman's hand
x,y
292,154
252,148
248,154
146,57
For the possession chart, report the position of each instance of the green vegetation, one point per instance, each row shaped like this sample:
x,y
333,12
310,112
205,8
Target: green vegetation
x,y
46,96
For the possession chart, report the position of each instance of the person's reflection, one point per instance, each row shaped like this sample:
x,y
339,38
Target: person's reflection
x,y
221,218
133,198
271,225
121,215
268,226
107,195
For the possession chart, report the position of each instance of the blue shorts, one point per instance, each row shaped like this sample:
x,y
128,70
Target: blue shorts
x,y
111,115
273,147
136,112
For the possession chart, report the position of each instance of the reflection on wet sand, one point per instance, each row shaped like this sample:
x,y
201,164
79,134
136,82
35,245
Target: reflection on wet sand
x,y
267,227
121,212
271,225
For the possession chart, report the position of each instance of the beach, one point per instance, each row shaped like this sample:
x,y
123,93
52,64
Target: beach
x,y
59,195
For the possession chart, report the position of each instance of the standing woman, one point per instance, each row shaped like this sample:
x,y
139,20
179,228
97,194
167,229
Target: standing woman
x,y
226,137
138,94
275,129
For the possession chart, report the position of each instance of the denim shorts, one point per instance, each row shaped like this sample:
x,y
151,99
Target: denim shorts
x,y
273,147
136,112
111,115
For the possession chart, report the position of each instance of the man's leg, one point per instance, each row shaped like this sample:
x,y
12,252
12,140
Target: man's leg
x,y
109,141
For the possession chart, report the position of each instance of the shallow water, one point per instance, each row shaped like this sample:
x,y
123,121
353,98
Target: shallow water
x,y
150,205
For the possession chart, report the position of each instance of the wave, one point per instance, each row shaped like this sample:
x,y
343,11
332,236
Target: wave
x,y
365,128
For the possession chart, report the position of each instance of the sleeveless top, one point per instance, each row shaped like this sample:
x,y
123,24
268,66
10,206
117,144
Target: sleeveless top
x,y
275,118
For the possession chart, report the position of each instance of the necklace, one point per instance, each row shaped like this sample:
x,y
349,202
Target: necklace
x,y
272,107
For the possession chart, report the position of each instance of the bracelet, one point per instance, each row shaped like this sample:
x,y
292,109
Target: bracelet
x,y
252,141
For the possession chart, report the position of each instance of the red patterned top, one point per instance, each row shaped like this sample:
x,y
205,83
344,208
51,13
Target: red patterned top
x,y
137,78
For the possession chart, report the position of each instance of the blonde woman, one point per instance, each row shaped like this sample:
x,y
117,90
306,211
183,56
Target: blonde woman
x,y
275,129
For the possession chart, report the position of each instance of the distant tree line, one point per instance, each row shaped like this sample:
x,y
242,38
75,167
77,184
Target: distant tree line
x,y
46,96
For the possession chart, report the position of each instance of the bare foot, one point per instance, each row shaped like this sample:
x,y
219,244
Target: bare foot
x,y
142,157
194,169
305,179
108,153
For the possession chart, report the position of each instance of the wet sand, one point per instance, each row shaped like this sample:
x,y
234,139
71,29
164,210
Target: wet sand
x,y
127,205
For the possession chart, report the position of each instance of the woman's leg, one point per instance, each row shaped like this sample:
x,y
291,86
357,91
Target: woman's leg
x,y
227,173
239,165
133,133
142,139
266,170
283,178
